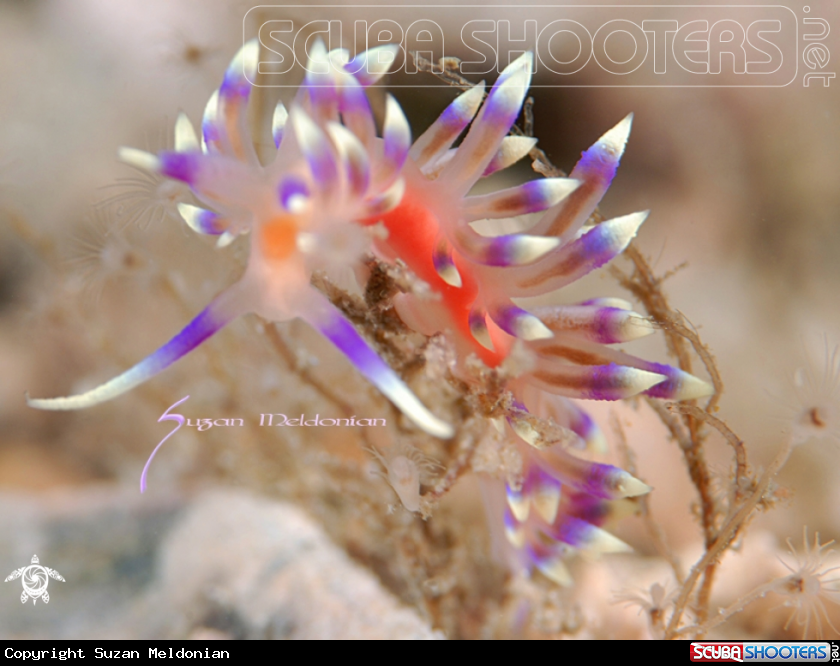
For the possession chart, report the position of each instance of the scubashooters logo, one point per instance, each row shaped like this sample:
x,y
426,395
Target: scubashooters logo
x,y
590,45
794,652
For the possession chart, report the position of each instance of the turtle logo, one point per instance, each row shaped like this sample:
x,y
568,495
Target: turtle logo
x,y
35,580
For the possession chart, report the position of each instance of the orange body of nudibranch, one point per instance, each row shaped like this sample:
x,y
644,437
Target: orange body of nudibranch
x,y
279,237
413,229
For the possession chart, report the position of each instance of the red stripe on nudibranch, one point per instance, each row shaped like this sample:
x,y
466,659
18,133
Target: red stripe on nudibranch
x,y
413,230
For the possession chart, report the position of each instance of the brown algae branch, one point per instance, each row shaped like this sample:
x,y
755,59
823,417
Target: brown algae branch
x,y
726,534
731,438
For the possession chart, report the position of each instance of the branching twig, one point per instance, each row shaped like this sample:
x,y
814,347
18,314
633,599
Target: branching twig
x,y
731,438
687,432
726,535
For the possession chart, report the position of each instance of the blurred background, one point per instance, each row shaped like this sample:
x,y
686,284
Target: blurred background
x,y
97,270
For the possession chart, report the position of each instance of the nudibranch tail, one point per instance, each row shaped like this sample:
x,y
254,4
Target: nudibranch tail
x,y
226,307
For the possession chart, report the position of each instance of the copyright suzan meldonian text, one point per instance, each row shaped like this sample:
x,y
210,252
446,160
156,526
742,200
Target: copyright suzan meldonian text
x,y
101,653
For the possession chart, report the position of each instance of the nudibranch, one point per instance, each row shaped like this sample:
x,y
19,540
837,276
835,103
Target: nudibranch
x,y
298,210
333,177
479,277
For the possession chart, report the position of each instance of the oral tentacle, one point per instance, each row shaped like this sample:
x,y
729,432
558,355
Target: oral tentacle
x,y
226,307
332,324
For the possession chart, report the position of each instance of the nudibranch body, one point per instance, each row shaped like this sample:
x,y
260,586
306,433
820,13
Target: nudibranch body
x,y
558,503
333,177
298,210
